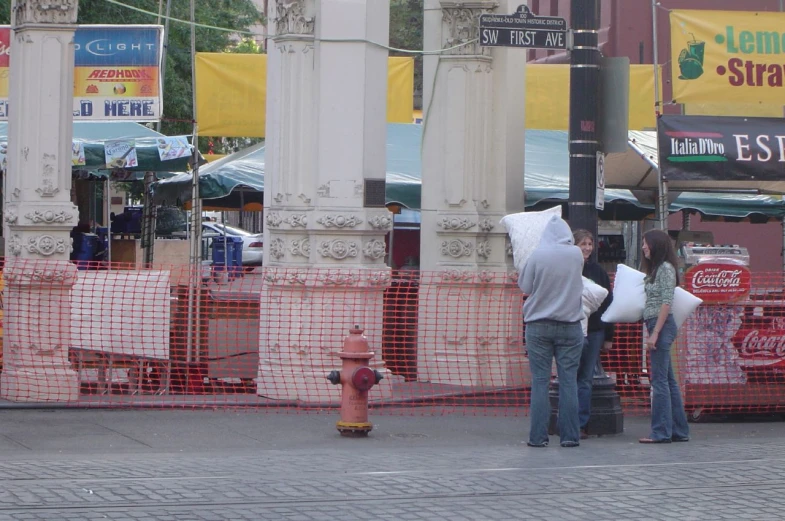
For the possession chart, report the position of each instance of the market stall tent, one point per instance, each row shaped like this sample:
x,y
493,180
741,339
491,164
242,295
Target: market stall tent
x,y
223,183
546,179
636,168
100,130
243,171
93,135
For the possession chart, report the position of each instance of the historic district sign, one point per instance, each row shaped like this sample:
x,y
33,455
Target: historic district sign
x,y
523,29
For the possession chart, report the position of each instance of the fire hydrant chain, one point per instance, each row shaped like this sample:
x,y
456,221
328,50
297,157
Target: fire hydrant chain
x,y
356,379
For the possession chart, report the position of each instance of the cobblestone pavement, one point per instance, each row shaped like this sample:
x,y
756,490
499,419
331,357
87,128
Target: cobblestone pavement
x,y
219,465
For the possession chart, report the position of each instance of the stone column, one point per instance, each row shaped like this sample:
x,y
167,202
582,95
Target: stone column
x,y
324,192
473,167
38,210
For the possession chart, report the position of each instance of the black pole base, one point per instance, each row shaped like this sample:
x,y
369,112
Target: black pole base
x,y
607,416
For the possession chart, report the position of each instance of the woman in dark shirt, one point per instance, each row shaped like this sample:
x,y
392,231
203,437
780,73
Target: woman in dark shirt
x,y
600,334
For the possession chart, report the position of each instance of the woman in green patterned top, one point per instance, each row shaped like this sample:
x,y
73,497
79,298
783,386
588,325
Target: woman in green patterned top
x,y
668,419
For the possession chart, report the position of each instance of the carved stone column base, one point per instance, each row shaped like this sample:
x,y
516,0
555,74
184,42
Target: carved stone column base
x,y
40,384
305,316
479,338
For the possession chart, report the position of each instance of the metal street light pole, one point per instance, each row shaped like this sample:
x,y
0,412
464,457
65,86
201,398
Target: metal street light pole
x,y
662,187
584,128
607,416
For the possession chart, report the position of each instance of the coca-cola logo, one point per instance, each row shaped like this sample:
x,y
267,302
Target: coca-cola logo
x,y
716,279
760,347
716,282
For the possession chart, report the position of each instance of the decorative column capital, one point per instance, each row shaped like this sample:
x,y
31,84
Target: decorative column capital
x,y
44,12
461,25
293,17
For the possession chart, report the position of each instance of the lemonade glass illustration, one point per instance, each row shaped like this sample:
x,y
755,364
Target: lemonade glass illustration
x,y
691,59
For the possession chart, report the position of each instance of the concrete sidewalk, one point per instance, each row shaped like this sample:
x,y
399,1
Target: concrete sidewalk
x,y
222,465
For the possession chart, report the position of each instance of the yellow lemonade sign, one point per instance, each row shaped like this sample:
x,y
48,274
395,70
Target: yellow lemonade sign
x,y
724,56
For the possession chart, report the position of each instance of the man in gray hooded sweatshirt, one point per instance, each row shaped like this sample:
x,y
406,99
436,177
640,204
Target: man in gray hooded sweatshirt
x,y
552,312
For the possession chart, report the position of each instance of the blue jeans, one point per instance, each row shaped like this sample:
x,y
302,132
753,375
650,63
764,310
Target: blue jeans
x,y
546,339
589,357
668,418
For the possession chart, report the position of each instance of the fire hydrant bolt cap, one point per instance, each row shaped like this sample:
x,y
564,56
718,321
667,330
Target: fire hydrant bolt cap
x,y
363,378
334,377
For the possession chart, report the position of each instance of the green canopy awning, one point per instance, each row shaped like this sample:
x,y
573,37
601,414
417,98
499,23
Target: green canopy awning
x,y
93,135
241,170
546,178
100,130
147,156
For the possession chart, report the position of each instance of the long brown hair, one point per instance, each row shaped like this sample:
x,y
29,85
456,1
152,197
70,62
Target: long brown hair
x,y
660,250
580,234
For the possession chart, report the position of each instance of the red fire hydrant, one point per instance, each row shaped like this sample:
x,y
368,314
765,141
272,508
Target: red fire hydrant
x,y
356,378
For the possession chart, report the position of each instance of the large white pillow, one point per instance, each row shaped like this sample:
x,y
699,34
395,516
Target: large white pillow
x,y
592,298
525,230
684,305
629,299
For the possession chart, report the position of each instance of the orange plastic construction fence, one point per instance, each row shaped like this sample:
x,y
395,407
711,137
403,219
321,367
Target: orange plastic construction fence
x,y
119,336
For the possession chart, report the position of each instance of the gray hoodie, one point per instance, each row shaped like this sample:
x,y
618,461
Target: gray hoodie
x,y
552,277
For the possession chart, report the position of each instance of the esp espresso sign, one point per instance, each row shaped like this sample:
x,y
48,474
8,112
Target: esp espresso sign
x,y
721,148
717,282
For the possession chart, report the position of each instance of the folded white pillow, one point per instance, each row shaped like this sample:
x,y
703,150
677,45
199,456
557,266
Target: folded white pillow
x,y
525,230
684,305
592,298
629,299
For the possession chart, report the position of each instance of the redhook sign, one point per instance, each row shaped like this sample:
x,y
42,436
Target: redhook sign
x,y
715,282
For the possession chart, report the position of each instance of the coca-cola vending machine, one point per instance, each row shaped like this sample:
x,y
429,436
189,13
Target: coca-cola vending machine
x,y
731,353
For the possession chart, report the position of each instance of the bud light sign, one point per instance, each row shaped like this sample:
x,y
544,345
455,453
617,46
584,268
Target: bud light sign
x,y
716,282
117,73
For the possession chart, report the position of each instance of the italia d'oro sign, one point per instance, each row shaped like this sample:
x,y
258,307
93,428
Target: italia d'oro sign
x,y
721,148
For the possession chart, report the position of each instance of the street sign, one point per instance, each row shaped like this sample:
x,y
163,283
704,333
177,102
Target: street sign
x,y
599,201
523,29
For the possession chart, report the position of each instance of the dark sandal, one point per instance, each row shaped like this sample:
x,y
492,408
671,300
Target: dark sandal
x,y
676,439
537,445
649,440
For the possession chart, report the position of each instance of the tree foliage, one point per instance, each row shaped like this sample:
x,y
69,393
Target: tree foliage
x,y
246,46
406,32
